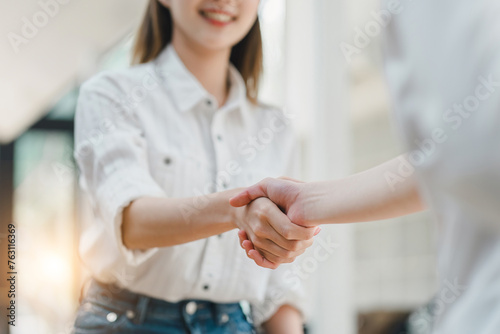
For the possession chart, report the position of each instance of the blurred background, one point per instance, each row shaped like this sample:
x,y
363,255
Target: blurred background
x,y
323,62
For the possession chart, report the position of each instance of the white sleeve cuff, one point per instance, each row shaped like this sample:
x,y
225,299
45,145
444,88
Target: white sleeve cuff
x,y
117,193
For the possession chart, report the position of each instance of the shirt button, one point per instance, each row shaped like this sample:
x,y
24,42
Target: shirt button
x,y
130,314
111,317
219,137
209,102
191,308
206,287
224,318
167,161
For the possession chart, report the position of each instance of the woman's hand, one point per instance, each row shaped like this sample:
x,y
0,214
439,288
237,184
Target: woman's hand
x,y
274,237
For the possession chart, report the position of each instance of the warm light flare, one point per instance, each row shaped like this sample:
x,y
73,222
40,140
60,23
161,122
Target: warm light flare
x,y
55,268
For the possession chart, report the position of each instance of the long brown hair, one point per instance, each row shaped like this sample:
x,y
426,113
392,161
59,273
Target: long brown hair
x,y
155,32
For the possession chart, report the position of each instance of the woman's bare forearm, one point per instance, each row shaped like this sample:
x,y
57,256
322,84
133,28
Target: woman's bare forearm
x,y
370,195
163,222
287,320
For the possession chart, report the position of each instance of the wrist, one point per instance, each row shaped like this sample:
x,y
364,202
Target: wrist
x,y
233,214
314,209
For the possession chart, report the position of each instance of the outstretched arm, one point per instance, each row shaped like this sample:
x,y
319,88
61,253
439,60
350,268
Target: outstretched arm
x,y
386,191
371,195
163,222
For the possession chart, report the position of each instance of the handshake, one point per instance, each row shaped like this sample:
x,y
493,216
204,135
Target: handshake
x,y
273,221
279,217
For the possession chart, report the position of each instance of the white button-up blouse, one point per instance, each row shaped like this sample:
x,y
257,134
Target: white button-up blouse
x,y
153,130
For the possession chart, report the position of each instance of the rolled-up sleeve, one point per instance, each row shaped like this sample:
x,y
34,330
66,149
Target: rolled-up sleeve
x,y
110,151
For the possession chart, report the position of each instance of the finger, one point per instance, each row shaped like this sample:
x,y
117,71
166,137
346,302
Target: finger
x,y
248,246
261,261
289,245
278,252
249,194
275,259
268,232
287,229
245,243
241,199
242,235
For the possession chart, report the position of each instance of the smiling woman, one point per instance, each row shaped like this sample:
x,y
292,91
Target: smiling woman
x,y
165,254
191,17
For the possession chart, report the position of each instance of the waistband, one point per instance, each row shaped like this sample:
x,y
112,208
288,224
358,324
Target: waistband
x,y
137,306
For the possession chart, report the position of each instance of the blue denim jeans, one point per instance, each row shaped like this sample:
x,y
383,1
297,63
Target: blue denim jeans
x,y
109,309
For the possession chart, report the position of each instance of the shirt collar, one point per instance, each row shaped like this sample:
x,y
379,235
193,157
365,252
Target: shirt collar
x,y
186,91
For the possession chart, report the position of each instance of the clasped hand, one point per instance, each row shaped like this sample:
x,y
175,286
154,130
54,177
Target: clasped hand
x,y
273,228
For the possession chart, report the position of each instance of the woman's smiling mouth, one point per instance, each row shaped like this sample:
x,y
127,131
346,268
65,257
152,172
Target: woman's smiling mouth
x,y
217,17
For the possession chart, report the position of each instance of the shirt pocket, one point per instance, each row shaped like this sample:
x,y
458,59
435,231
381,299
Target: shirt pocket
x,y
179,174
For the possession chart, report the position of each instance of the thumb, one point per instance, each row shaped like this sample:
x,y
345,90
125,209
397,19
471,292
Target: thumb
x,y
249,194
241,199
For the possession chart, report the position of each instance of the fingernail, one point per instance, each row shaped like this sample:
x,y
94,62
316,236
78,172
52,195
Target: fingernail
x,y
317,231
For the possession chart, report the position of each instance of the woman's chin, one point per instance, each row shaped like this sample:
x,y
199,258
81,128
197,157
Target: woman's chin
x,y
215,45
